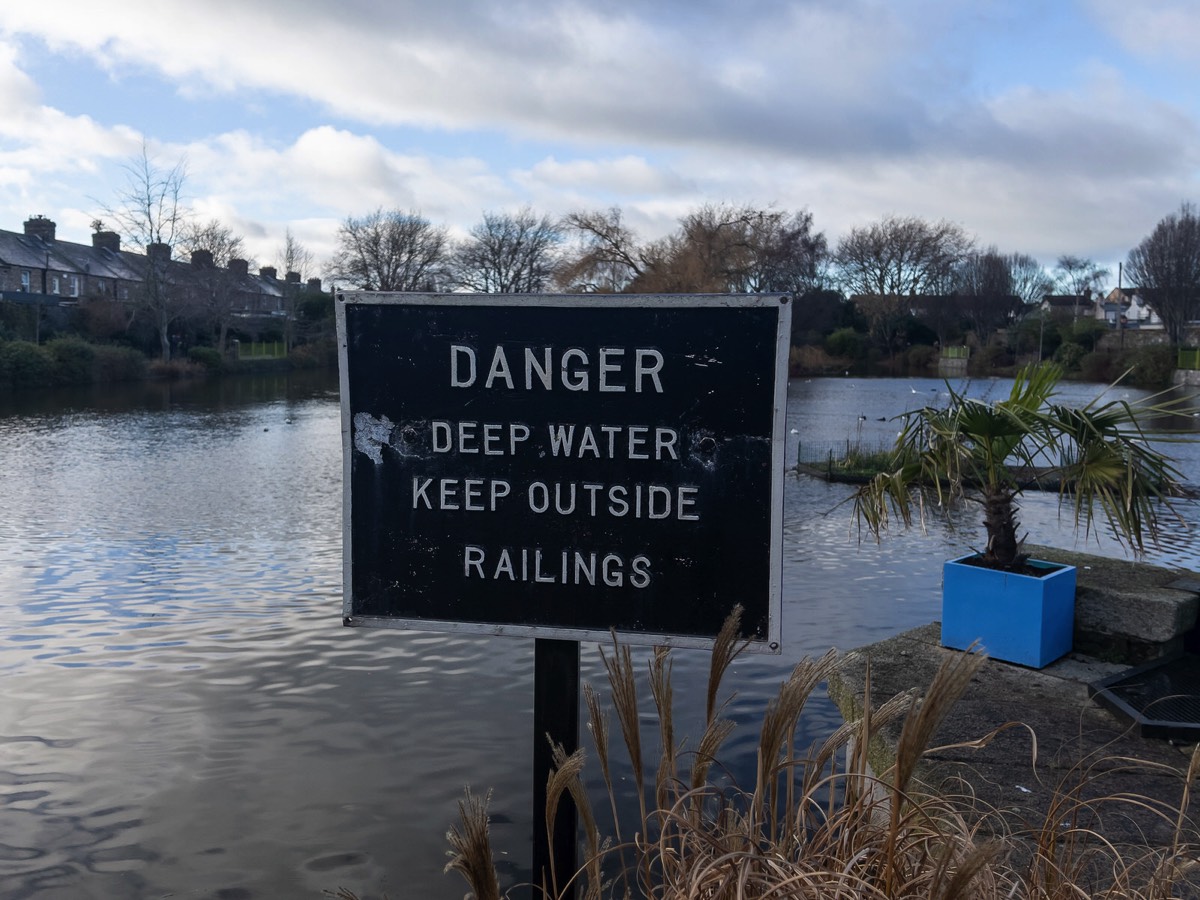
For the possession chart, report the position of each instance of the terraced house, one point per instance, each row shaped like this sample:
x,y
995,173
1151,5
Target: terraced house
x,y
37,268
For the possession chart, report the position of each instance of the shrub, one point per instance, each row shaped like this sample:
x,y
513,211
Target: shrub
x,y
26,365
209,357
119,364
1152,365
101,319
1039,334
75,360
315,307
846,342
808,359
1097,366
922,356
987,360
321,354
1087,332
16,321
1069,355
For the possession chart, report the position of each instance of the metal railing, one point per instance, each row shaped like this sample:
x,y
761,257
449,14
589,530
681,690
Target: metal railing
x,y
261,349
850,455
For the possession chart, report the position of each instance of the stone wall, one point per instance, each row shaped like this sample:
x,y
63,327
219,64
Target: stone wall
x,y
1128,611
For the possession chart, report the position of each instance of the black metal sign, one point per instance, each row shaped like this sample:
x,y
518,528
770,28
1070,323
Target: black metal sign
x,y
556,466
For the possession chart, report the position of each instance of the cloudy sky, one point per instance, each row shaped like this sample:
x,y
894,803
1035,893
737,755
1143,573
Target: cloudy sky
x,y
1041,126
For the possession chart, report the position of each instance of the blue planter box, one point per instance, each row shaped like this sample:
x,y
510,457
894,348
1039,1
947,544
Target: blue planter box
x,y
1017,618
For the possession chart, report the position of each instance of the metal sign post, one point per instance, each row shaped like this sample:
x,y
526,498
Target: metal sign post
x,y
555,719
561,467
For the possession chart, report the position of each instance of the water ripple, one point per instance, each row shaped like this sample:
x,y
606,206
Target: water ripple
x,y
184,713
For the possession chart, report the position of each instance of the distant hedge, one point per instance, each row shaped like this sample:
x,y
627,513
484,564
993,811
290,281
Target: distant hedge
x,y
25,365
67,361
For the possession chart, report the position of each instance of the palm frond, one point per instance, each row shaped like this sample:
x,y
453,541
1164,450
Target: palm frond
x,y
1100,454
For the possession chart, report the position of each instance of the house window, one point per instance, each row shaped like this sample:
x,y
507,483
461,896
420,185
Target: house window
x,y
54,289
72,285
123,292
101,286
25,281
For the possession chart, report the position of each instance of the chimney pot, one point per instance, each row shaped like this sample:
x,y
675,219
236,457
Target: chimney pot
x,y
40,227
106,240
159,252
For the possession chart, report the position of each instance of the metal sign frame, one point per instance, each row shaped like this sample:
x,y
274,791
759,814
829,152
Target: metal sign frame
x,y
375,326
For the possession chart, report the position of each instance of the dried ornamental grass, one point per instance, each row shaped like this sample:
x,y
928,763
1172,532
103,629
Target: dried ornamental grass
x,y
821,824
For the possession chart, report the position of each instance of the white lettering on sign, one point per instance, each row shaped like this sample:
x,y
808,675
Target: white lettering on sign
x,y
459,493
634,445
564,567
608,370
487,438
611,367
639,501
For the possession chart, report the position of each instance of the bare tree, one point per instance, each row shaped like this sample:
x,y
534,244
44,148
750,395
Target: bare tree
x,y
293,256
1166,267
718,248
509,253
212,246
740,249
1079,277
391,251
1030,280
984,285
899,256
883,266
982,274
681,263
607,257
887,316
944,314
151,215
788,254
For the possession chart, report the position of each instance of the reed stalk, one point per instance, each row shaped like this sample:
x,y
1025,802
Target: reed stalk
x,y
822,824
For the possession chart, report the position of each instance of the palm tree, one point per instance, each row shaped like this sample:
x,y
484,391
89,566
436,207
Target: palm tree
x,y
990,452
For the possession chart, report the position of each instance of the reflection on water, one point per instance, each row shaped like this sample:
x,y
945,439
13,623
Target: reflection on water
x,y
184,714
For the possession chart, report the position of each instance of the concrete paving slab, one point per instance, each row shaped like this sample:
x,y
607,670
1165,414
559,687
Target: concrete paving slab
x,y
1058,743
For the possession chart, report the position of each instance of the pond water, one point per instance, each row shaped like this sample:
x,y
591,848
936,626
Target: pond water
x,y
185,716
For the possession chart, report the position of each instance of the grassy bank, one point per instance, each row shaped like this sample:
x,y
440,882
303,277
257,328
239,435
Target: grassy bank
x,y
70,361
1149,366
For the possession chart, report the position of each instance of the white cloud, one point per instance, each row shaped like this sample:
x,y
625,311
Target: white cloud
x,y
39,140
1154,28
554,69
854,110
625,176
335,172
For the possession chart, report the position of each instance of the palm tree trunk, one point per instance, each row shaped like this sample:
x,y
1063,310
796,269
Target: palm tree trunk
x,y
1000,521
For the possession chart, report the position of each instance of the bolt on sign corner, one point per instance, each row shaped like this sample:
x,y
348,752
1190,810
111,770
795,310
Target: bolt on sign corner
x,y
559,466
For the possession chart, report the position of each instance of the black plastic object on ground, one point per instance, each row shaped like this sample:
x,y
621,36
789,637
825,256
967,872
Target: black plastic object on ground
x,y
1162,698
